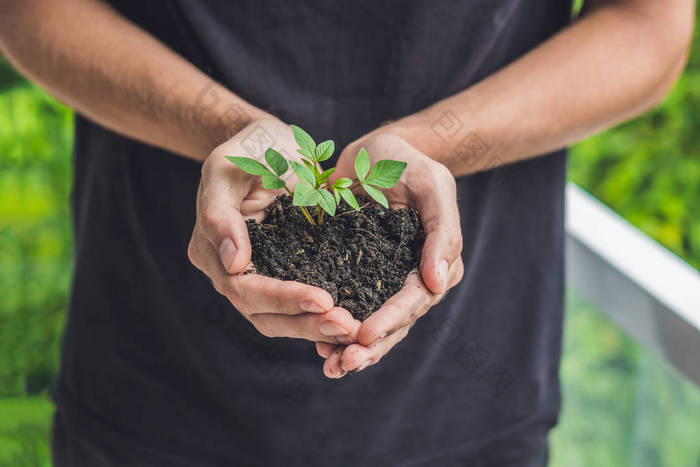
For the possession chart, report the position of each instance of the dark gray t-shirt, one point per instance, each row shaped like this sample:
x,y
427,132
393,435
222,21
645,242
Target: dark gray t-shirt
x,y
158,369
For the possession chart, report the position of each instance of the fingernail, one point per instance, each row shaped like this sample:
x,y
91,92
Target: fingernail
x,y
331,329
364,365
310,307
442,272
227,253
345,340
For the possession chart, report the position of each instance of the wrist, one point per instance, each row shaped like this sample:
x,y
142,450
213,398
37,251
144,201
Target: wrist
x,y
447,136
419,130
222,115
233,119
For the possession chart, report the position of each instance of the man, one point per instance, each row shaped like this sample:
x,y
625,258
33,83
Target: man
x,y
159,369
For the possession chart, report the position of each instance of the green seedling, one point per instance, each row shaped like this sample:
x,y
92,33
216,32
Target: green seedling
x,y
314,188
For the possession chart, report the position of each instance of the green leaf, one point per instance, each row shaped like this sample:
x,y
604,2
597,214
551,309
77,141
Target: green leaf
x,y
308,154
305,141
342,182
304,195
336,195
272,181
376,194
313,198
276,161
325,150
349,198
362,164
386,173
304,174
312,167
326,173
249,165
326,201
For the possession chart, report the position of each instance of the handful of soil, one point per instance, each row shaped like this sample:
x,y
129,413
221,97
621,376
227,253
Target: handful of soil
x,y
360,257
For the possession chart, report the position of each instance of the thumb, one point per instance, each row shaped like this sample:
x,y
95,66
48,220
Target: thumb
x,y
222,224
443,234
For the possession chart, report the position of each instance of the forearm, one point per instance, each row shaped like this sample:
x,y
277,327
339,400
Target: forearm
x,y
110,70
616,62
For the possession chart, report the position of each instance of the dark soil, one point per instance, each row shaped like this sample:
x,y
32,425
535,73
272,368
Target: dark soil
x,y
361,258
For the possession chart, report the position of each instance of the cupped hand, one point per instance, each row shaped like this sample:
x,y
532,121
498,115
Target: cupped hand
x,y
428,187
220,246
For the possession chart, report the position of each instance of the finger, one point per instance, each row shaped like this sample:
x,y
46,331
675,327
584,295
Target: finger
x,y
331,368
263,294
357,357
220,221
255,206
439,214
335,327
324,349
253,293
411,302
202,256
456,272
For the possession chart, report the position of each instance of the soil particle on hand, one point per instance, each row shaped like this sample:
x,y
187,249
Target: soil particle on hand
x,y
360,257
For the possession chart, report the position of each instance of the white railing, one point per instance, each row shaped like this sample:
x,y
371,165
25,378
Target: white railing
x,y
647,290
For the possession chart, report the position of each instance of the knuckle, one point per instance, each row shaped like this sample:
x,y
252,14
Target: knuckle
x,y
377,331
266,331
229,288
455,244
207,168
459,272
221,288
192,253
432,224
444,173
226,288
233,288
446,181
209,218
264,326
458,277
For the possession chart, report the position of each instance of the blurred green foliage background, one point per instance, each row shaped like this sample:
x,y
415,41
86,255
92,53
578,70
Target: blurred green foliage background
x,y
35,261
622,407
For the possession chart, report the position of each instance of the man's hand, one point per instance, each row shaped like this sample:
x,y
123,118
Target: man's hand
x,y
429,187
220,246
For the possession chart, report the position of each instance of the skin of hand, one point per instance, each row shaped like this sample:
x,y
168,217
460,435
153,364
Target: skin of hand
x,y
220,246
428,187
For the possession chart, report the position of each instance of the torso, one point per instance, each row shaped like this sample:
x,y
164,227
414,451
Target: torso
x,y
156,361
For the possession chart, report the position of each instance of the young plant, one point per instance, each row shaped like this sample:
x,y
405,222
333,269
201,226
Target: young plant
x,y
313,188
